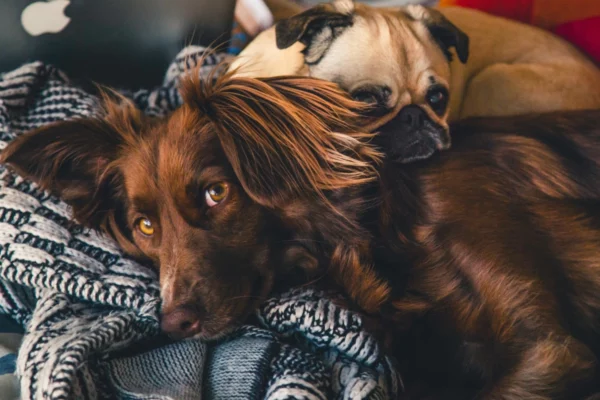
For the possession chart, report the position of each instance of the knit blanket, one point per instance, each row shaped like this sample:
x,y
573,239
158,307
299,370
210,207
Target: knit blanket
x,y
91,315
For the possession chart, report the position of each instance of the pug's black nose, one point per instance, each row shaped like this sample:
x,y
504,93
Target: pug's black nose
x,y
180,323
412,117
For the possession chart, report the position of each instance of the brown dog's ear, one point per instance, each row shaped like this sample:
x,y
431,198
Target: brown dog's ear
x,y
74,160
316,28
286,138
444,32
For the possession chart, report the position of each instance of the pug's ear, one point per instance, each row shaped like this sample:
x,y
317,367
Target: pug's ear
x,y
444,32
316,28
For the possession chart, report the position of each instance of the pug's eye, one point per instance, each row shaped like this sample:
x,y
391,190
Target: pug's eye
x,y
373,95
437,98
145,226
366,97
216,193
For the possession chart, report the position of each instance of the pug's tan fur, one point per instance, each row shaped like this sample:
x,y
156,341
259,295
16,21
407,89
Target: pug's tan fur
x,y
512,68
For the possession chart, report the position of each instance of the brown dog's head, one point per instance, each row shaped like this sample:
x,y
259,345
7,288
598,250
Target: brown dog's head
x,y
397,60
213,195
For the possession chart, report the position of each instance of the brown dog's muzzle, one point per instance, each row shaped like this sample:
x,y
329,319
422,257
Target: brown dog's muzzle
x,y
182,318
183,313
209,305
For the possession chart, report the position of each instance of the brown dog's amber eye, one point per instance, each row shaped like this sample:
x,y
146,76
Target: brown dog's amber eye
x,y
216,193
145,226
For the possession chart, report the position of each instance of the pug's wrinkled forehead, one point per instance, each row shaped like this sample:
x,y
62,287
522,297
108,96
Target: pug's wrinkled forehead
x,y
388,57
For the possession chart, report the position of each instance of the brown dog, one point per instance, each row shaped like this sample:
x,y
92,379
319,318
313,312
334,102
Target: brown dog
x,y
220,196
482,262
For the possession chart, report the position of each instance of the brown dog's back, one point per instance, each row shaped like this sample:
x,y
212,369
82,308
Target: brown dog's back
x,y
504,241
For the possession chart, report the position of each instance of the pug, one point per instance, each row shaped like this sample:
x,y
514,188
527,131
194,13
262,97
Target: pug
x,y
421,68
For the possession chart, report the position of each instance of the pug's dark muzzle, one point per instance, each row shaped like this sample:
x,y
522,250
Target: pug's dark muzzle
x,y
412,136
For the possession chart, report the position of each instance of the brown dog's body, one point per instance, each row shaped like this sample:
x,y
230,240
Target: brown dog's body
x,y
499,241
482,261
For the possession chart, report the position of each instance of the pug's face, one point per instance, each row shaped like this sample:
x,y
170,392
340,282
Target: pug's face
x,y
395,59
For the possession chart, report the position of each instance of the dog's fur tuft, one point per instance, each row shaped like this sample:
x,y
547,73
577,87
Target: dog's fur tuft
x,y
279,123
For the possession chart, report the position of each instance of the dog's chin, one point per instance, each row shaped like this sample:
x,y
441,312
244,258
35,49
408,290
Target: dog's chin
x,y
420,146
416,145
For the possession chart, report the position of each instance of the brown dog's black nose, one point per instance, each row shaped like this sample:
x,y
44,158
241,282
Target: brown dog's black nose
x,y
180,323
412,117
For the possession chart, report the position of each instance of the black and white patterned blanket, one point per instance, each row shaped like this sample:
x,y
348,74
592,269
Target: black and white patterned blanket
x,y
91,314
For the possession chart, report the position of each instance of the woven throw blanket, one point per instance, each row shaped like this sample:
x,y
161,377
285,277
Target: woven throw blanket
x,y
91,315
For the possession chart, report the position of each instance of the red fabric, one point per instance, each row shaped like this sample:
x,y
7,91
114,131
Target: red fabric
x,y
577,21
584,33
520,10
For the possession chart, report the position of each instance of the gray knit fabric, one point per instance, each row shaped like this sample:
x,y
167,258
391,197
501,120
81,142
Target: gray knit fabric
x,y
88,309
